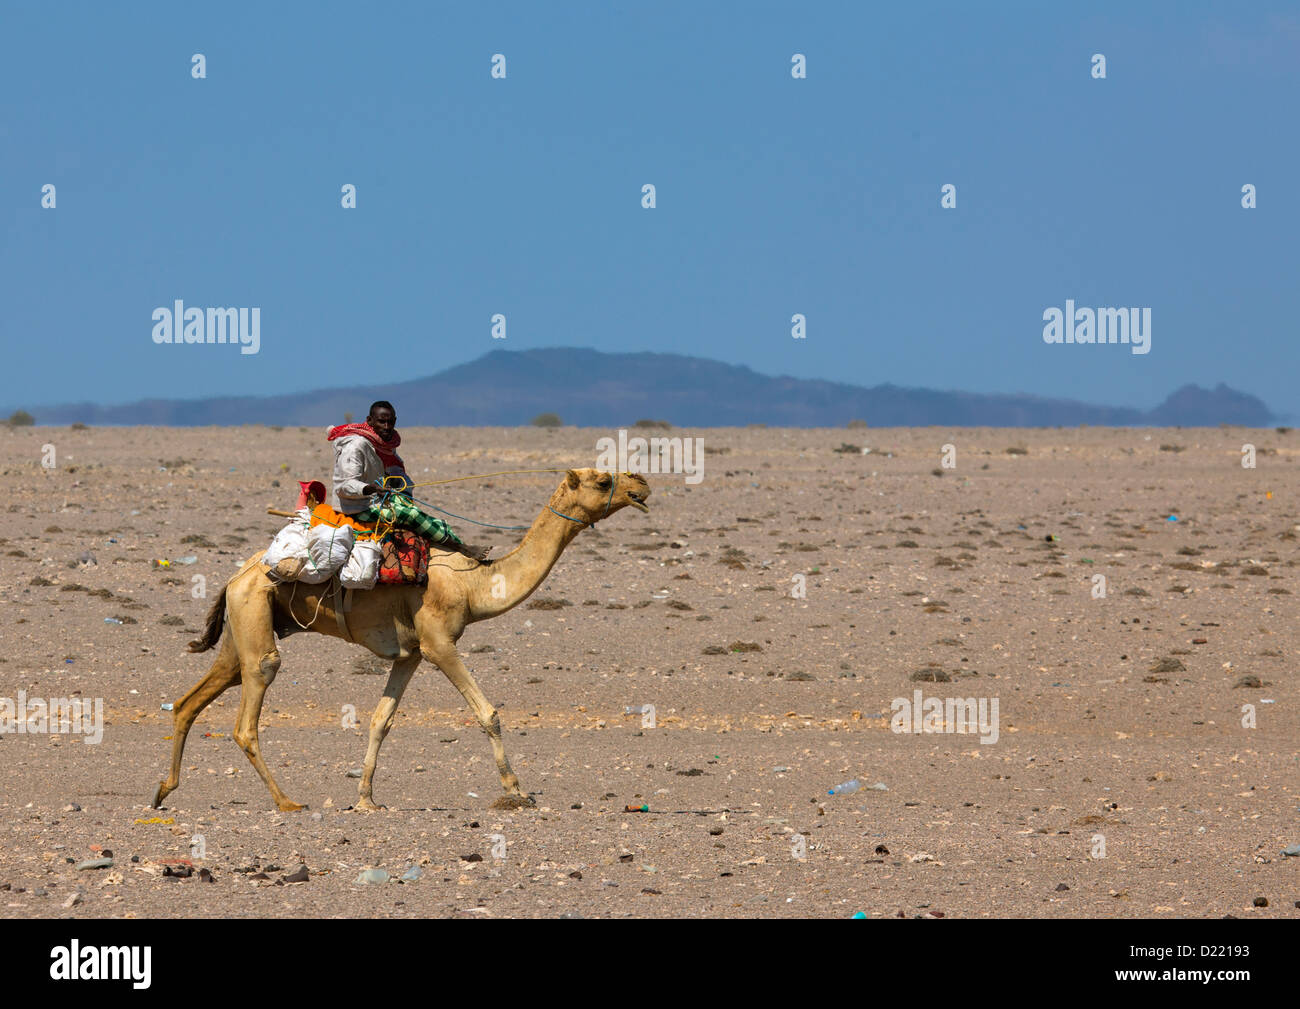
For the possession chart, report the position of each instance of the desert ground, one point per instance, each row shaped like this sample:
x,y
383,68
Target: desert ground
x,y
1146,757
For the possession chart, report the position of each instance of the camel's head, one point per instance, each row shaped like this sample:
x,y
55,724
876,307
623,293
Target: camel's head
x,y
591,494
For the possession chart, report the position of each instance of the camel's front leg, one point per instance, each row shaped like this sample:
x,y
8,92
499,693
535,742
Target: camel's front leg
x,y
380,722
444,656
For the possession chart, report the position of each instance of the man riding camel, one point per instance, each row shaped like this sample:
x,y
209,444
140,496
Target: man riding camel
x,y
366,453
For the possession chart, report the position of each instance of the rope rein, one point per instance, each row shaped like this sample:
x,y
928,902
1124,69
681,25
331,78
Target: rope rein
x,y
406,485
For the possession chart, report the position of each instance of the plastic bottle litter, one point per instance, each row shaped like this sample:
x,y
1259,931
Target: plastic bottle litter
x,y
635,709
186,560
373,876
1292,851
412,874
96,863
111,620
167,706
854,785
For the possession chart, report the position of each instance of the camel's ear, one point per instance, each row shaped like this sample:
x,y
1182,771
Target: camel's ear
x,y
574,479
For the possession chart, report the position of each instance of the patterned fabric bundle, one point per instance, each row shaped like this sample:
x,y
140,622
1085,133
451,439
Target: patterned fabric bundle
x,y
406,559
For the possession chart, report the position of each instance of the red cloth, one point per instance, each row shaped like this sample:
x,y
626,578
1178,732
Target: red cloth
x,y
385,449
309,487
405,559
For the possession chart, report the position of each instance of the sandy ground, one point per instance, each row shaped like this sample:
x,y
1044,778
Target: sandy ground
x,y
1122,730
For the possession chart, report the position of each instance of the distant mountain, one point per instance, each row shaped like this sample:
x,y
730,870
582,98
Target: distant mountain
x,y
594,389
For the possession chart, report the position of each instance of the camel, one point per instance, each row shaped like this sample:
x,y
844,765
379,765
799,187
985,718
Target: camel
x,y
401,623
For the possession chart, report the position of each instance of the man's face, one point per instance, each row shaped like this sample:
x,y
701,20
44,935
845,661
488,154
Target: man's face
x,y
383,421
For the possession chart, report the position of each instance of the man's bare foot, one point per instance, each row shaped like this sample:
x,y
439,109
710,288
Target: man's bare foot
x,y
479,554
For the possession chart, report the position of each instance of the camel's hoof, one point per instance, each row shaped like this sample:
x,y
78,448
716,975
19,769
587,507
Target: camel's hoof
x,y
369,806
290,807
157,797
514,802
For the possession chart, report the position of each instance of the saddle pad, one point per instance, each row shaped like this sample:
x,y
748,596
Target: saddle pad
x,y
406,559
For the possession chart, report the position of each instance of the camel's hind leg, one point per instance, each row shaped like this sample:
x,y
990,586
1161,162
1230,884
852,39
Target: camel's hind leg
x,y
381,721
223,674
259,661
444,656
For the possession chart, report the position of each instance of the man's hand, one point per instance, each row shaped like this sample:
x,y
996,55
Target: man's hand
x,y
371,488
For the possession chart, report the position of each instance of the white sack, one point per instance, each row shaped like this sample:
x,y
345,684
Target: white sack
x,y
362,568
327,548
288,551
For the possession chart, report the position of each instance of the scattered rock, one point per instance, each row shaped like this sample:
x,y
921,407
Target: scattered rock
x,y
1168,665
548,603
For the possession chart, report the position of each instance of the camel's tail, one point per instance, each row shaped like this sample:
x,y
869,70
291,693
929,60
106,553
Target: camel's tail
x,y
216,621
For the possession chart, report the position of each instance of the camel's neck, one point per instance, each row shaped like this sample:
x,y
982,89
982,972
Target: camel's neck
x,y
506,583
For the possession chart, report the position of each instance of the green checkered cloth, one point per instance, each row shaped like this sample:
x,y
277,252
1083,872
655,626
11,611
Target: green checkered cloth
x,y
402,513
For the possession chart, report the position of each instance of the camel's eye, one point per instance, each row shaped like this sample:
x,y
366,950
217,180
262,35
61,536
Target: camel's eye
x,y
603,482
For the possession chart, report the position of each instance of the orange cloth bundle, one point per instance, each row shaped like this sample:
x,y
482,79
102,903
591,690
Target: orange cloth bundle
x,y
323,514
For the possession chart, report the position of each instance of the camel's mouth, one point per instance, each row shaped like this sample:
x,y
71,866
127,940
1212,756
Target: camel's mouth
x,y
636,501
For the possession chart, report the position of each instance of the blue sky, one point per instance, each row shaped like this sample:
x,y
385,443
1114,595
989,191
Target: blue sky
x,y
775,196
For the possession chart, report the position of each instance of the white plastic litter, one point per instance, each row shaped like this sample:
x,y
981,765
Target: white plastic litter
x,y
327,549
362,568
